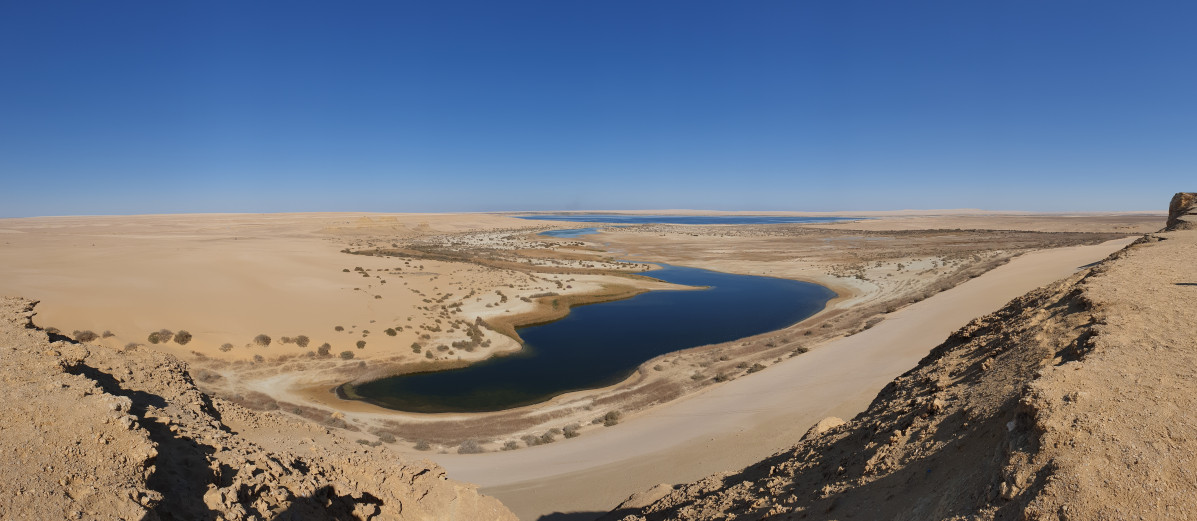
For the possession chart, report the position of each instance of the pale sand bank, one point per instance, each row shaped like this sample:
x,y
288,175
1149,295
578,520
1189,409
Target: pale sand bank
x,y
750,418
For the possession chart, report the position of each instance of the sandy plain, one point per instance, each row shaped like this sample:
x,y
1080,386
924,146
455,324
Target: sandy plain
x,y
430,278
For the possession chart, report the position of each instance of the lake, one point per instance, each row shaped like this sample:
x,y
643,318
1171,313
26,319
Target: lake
x,y
683,219
601,344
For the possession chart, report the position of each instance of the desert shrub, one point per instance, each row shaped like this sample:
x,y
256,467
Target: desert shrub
x,y
511,445
415,347
722,377
548,437
530,440
226,347
427,354
346,355
422,445
286,340
262,340
872,322
390,331
470,447
182,337
611,418
742,365
107,334
361,344
161,336
259,358
339,328
571,431
386,437
346,270
85,336
442,348
755,368
697,376
302,340
132,345
324,349
205,375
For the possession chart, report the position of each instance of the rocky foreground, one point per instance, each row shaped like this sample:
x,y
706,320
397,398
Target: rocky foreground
x,y
1075,401
89,432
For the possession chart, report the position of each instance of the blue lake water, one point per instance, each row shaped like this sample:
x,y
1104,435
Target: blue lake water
x,y
570,233
601,344
682,219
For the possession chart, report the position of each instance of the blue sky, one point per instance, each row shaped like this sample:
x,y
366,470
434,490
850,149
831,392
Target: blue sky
x,y
152,107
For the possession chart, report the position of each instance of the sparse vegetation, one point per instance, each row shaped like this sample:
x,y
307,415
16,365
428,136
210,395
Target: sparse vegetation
x,y
302,340
422,445
611,418
470,447
226,347
182,337
262,340
361,344
571,431
324,349
160,336
346,355
85,336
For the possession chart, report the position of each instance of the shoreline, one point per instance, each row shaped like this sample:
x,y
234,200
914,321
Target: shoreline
x,y
707,430
546,312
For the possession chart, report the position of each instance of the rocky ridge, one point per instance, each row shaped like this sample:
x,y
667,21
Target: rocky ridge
x,y
1072,402
95,433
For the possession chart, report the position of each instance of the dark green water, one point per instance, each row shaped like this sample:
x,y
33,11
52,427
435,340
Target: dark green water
x,y
600,344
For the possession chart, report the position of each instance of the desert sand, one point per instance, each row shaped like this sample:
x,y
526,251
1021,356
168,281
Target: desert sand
x,y
1071,402
347,297
730,426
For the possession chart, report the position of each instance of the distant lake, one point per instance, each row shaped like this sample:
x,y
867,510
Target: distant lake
x,y
682,219
601,344
570,233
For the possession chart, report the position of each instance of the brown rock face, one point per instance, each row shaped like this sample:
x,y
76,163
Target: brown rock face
x,y
1182,210
90,432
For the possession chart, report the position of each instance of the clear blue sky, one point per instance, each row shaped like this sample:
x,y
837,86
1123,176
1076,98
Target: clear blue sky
x,y
255,106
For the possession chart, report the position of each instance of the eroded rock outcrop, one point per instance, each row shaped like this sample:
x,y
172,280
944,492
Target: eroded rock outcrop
x,y
94,433
1072,402
1182,213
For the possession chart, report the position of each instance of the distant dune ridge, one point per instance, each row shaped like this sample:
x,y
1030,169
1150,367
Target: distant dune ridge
x,y
1072,402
